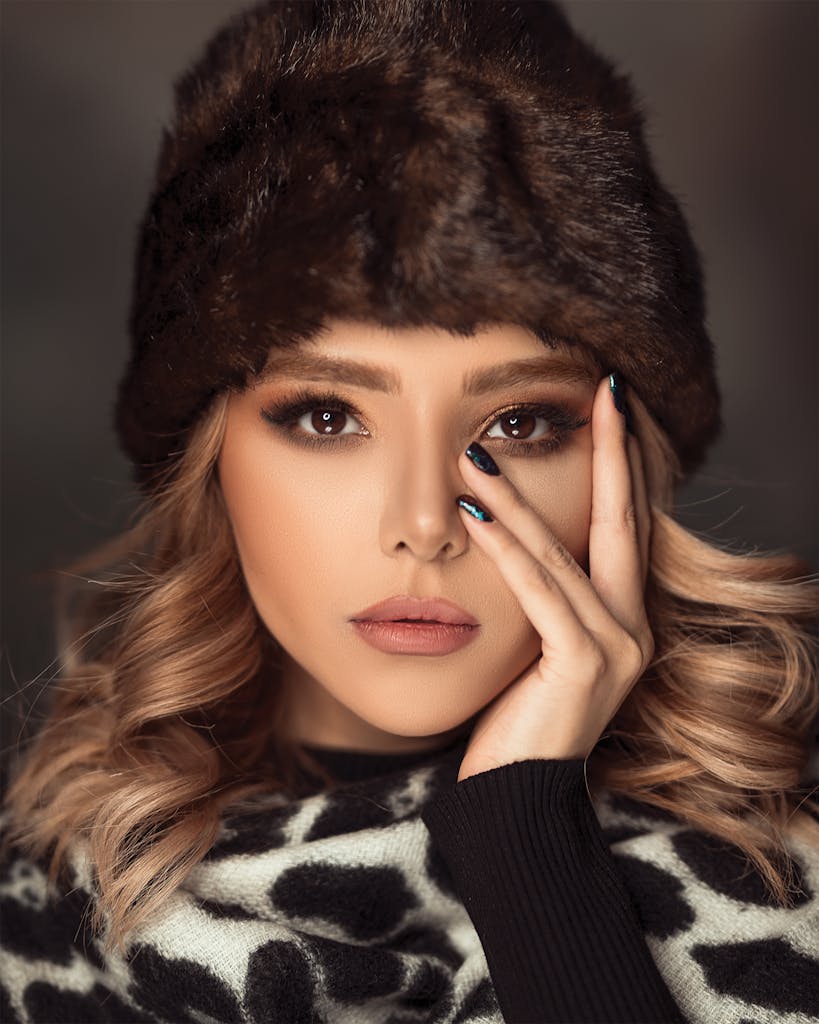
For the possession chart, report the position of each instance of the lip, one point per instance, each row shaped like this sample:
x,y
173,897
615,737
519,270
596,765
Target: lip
x,y
430,638
428,609
444,627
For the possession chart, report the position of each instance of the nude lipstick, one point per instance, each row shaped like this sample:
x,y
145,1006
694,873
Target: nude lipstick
x,y
413,625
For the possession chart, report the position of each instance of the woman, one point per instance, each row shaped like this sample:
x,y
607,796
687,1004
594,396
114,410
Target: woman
x,y
414,319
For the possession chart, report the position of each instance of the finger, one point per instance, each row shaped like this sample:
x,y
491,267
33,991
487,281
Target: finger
x,y
506,503
640,489
614,551
540,596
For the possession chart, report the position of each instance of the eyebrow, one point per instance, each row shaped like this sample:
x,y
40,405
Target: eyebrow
x,y
310,366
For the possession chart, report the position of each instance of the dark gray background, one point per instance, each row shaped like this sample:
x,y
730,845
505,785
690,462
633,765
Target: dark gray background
x,y
732,98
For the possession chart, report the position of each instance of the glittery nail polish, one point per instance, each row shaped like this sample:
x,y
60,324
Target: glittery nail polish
x,y
618,389
468,503
482,459
617,393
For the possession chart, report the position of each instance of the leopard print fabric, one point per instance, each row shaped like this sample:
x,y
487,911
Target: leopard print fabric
x,y
337,908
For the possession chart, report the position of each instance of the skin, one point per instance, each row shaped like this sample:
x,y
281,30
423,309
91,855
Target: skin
x,y
323,532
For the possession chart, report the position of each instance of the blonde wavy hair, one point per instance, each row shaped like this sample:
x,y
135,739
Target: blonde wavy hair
x,y
165,712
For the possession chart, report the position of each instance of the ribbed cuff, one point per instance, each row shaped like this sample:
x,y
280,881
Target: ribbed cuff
x,y
529,861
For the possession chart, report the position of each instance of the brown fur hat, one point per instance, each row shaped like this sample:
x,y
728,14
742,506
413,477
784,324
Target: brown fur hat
x,y
409,162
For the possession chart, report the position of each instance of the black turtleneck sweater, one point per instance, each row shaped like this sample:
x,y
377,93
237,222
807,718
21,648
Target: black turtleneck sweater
x,y
535,874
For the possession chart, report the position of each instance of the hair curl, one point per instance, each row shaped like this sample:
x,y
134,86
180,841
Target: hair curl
x,y
163,713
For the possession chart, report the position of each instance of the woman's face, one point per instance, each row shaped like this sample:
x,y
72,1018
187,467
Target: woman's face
x,y
350,499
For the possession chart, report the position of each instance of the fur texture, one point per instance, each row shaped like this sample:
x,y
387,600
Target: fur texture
x,y
409,162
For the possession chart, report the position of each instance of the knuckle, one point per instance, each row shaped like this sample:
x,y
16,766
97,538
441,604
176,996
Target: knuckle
x,y
632,655
648,646
637,652
625,519
594,659
538,575
552,552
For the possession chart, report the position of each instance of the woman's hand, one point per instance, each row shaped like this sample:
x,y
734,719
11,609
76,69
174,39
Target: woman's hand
x,y
596,636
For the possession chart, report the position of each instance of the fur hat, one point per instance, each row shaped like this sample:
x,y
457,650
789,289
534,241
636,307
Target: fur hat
x,y
409,162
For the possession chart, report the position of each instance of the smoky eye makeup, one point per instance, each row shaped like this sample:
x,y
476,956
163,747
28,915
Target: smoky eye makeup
x,y
284,416
533,428
527,428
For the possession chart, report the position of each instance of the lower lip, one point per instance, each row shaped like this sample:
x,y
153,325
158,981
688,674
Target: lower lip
x,y
415,637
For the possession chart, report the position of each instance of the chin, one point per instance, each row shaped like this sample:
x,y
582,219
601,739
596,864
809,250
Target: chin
x,y
424,723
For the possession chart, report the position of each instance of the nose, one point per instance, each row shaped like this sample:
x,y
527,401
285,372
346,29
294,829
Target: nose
x,y
420,515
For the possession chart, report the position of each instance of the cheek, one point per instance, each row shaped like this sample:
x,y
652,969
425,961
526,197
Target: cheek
x,y
563,496
287,520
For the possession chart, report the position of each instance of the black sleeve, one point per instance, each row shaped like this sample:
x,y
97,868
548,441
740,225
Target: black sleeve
x,y
530,863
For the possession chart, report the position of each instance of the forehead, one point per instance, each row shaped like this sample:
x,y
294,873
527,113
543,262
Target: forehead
x,y
373,356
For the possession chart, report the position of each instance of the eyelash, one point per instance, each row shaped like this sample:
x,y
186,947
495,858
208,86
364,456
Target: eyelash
x,y
284,416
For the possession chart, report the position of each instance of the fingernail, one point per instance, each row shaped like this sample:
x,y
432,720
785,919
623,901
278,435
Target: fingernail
x,y
474,509
618,393
482,459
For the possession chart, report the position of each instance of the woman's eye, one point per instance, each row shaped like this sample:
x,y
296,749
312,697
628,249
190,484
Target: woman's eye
x,y
315,419
538,429
518,423
328,422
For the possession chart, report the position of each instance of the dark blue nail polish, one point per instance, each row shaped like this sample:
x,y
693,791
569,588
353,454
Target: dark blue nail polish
x,y
482,459
469,504
618,389
617,393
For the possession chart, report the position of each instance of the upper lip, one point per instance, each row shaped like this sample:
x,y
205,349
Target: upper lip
x,y
430,609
